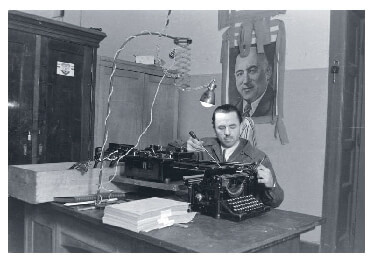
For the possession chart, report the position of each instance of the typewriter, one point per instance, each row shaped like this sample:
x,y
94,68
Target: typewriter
x,y
226,192
153,163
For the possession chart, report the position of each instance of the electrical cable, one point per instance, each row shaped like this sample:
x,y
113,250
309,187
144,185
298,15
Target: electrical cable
x,y
139,138
158,60
100,185
180,41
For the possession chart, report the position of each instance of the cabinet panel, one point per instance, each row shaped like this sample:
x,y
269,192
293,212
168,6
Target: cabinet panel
x,y
73,245
165,111
42,238
134,89
63,108
21,55
40,230
125,121
16,225
79,236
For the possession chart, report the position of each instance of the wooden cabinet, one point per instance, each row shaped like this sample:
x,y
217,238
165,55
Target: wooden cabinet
x,y
51,74
135,86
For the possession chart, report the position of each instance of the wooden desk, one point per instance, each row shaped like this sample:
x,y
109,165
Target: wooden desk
x,y
52,227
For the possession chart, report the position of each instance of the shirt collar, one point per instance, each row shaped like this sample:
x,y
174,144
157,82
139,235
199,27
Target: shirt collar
x,y
243,147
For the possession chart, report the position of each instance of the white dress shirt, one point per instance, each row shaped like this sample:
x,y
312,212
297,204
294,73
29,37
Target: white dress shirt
x,y
229,151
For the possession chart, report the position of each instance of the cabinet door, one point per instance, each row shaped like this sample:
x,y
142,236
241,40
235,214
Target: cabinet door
x,y
21,57
40,230
63,98
165,111
134,89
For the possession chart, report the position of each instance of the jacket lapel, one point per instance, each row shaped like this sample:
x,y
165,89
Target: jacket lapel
x,y
245,149
217,153
215,149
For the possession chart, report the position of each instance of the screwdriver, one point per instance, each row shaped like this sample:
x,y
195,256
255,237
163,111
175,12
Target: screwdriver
x,y
193,135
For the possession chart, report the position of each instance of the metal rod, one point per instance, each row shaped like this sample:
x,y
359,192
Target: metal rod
x,y
211,156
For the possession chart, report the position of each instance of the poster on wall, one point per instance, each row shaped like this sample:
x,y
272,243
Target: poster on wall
x,y
253,57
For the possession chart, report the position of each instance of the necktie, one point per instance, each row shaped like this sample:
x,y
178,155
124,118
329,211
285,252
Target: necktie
x,y
246,111
224,160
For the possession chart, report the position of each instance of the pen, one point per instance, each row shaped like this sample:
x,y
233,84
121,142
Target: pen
x,y
262,160
86,208
90,202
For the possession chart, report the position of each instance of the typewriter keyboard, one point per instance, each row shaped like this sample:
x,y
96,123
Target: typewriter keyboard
x,y
244,204
245,207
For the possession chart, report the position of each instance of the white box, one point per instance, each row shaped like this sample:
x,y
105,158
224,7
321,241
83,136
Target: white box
x,y
39,183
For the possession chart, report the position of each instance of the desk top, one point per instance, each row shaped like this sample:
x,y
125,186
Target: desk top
x,y
207,234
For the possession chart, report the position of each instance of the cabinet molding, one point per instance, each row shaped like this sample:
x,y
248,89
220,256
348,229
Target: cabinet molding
x,y
43,26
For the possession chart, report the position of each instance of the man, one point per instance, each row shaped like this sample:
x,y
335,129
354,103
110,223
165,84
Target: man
x,y
253,76
226,121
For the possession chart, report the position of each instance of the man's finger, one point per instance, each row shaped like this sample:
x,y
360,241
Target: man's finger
x,y
197,142
195,148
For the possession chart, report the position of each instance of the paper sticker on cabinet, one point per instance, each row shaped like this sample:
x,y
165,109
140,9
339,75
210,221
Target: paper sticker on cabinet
x,y
65,69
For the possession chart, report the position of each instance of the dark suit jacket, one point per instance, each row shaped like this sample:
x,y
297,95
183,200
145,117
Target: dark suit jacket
x,y
245,153
265,106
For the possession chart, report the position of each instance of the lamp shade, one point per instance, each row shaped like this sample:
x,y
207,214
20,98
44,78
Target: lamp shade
x,y
208,97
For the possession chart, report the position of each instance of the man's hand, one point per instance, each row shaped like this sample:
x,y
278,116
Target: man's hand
x,y
265,176
194,145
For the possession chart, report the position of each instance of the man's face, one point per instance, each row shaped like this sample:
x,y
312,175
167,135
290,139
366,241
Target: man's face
x,y
227,128
251,74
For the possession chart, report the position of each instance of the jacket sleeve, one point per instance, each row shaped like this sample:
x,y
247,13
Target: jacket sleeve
x,y
201,156
272,196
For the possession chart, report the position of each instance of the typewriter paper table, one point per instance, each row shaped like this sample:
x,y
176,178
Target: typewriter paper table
x,y
54,228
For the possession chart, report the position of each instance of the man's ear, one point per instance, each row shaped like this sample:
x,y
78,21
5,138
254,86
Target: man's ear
x,y
268,73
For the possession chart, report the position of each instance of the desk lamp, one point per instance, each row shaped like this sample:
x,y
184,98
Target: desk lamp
x,y
208,97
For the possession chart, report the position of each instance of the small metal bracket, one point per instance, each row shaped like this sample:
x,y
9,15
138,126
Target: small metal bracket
x,y
335,69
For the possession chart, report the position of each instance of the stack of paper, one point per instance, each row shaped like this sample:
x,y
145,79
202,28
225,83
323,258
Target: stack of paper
x,y
147,214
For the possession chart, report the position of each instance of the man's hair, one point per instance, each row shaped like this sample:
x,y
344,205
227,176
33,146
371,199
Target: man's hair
x,y
227,108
